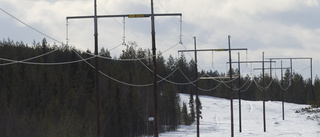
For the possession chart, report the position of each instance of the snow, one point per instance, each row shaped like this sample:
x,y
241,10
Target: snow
x,y
216,120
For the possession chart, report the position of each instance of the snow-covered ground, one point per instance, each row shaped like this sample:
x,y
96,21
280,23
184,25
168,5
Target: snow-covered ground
x,y
216,120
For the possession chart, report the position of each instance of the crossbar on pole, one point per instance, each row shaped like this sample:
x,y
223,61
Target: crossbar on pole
x,y
124,15
212,50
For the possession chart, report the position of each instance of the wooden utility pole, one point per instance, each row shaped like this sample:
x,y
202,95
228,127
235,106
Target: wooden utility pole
x,y
264,95
282,92
263,82
231,96
271,95
239,92
291,76
197,93
231,92
96,65
152,15
154,68
297,58
291,79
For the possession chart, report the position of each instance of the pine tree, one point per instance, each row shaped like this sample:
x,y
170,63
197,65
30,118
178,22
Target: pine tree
x,y
184,115
192,108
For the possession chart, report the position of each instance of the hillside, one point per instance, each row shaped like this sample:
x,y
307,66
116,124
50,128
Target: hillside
x,y
216,120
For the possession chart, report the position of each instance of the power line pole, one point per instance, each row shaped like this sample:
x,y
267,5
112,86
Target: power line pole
x,y
291,76
311,83
154,69
197,93
282,92
263,90
152,15
231,92
264,95
297,58
196,87
281,68
231,96
263,84
281,79
239,92
271,95
96,65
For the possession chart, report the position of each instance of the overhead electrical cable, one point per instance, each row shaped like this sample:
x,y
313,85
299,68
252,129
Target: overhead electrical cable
x,y
165,78
25,61
268,86
257,85
192,82
30,26
121,82
135,59
261,87
125,83
244,90
207,90
239,88
221,79
285,89
115,47
171,47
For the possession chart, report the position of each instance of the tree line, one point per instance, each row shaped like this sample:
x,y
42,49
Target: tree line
x,y
59,100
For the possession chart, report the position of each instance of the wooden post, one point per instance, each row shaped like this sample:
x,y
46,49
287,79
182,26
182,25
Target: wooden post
x,y
231,92
264,95
239,92
197,93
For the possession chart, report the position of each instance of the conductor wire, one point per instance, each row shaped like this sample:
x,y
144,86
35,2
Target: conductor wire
x,y
30,26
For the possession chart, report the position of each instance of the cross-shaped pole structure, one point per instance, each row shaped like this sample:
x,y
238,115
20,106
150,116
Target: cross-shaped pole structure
x,y
155,94
239,91
282,92
298,58
230,71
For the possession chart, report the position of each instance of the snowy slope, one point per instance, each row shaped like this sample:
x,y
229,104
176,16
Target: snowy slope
x,y
216,120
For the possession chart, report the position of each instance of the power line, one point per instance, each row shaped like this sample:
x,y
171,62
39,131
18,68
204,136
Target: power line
x,y
135,59
37,63
150,84
124,83
30,26
23,61
135,85
239,88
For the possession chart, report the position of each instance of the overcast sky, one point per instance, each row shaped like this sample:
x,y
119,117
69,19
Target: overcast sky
x,y
279,28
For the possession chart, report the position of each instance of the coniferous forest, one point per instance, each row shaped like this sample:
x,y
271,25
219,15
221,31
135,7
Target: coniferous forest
x,y
48,90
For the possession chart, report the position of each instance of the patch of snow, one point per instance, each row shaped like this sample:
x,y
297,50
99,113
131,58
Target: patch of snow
x,y
216,120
